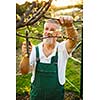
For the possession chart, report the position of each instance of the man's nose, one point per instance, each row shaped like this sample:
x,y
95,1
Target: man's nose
x,y
48,32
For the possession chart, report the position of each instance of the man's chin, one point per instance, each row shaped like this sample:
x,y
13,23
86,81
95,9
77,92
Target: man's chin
x,y
49,42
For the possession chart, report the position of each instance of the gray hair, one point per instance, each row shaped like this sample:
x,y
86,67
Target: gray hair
x,y
55,22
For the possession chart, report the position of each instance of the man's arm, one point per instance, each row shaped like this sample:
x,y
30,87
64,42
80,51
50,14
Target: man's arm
x,y
24,65
71,33
72,38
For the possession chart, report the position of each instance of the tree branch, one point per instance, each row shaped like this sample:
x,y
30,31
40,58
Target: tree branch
x,y
20,23
36,15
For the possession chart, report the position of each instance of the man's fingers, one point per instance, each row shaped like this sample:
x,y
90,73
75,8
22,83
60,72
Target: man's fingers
x,y
24,43
61,20
66,20
24,48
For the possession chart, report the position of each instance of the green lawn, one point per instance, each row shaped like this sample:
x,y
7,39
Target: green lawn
x,y
73,76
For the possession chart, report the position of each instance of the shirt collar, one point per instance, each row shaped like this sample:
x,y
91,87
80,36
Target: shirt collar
x,y
42,53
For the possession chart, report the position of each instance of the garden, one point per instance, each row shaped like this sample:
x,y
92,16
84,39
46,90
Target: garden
x,y
74,69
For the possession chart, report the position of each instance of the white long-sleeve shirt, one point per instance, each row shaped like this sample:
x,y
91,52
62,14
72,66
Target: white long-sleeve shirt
x,y
62,59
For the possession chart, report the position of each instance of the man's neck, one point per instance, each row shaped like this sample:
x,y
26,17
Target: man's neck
x,y
49,46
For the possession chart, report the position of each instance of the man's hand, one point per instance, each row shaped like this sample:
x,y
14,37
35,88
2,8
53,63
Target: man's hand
x,y
24,63
24,49
66,21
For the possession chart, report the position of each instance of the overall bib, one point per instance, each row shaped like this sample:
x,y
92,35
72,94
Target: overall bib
x,y
46,85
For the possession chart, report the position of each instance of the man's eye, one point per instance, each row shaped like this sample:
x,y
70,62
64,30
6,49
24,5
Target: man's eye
x,y
52,30
46,28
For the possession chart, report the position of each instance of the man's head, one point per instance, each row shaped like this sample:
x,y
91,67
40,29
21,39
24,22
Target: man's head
x,y
51,28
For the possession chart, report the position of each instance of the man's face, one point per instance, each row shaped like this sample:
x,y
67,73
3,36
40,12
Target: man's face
x,y
50,29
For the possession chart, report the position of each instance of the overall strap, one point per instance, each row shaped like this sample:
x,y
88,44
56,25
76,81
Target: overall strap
x,y
55,58
56,55
37,53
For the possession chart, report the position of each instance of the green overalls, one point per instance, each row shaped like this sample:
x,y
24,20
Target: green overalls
x,y
46,85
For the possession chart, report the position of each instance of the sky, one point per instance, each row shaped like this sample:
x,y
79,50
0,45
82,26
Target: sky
x,y
55,2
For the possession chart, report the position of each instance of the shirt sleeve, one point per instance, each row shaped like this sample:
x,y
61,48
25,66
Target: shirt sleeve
x,y
62,61
32,56
63,49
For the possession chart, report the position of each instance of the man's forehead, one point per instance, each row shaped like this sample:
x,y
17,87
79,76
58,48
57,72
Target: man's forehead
x,y
52,21
50,24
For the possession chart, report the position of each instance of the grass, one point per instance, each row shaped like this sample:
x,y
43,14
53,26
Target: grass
x,y
73,76
23,83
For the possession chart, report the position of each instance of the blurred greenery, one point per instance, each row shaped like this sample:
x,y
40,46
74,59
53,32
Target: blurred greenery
x,y
23,84
73,75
